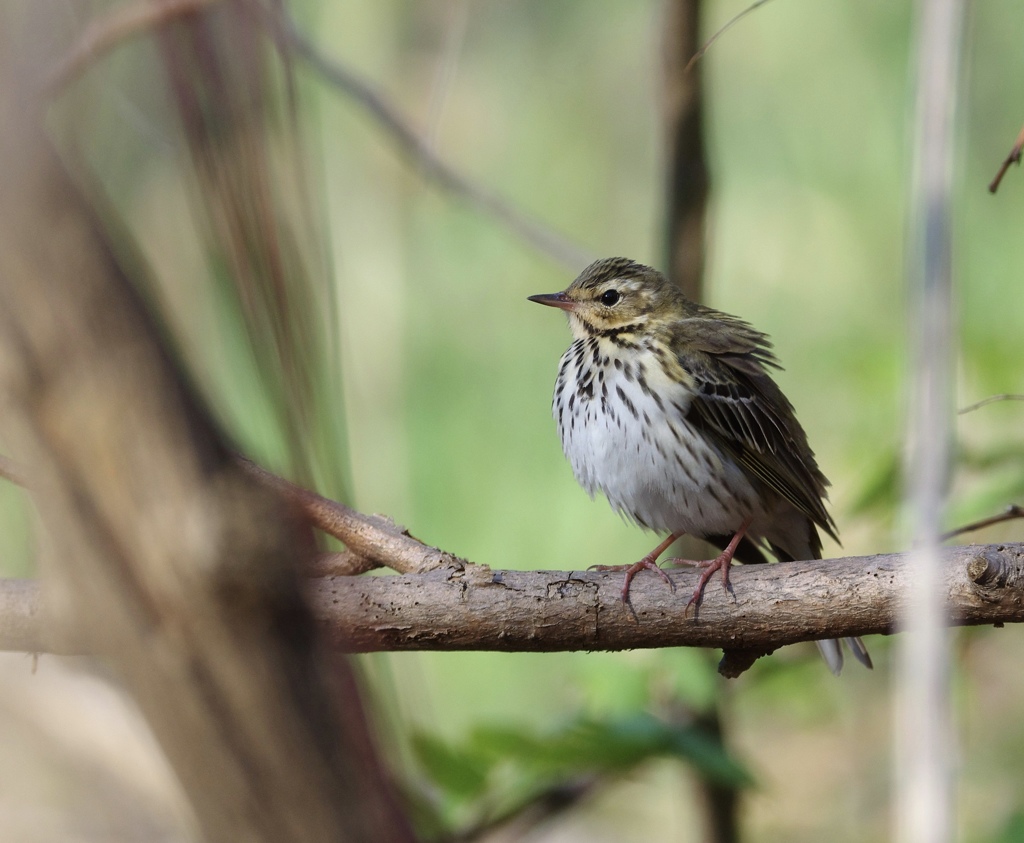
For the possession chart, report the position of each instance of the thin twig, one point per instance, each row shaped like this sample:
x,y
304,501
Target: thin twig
x,y
417,148
992,399
728,25
540,809
1012,512
122,23
1012,158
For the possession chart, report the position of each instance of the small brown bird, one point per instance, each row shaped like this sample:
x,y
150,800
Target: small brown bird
x,y
667,407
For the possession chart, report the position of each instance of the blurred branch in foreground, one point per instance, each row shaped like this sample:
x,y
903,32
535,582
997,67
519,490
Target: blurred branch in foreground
x,y
105,33
462,606
160,554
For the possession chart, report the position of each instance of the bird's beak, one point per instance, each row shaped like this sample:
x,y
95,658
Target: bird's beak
x,y
559,300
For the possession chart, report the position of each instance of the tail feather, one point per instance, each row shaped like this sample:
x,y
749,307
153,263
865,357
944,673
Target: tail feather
x,y
832,653
801,541
860,652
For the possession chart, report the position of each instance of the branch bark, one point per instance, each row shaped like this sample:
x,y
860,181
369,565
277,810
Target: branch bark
x,y
462,606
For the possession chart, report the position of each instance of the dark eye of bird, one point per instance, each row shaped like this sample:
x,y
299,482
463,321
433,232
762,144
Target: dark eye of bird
x,y
610,297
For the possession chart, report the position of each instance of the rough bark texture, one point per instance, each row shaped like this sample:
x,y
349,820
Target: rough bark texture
x,y
473,607
772,605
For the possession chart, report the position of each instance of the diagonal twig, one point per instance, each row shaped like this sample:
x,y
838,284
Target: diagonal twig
x,y
720,32
541,237
1012,158
1012,512
13,472
992,399
106,33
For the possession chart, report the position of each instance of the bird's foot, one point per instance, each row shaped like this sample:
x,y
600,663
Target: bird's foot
x,y
650,562
710,566
647,563
719,563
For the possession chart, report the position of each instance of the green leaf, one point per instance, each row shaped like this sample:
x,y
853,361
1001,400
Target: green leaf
x,y
454,770
612,745
500,769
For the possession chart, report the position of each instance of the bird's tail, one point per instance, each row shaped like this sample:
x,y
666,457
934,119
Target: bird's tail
x,y
802,542
832,653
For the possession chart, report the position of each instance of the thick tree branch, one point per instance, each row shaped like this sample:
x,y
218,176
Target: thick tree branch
x,y
448,603
469,607
473,607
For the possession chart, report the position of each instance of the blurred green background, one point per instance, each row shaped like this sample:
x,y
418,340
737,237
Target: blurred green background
x,y
441,417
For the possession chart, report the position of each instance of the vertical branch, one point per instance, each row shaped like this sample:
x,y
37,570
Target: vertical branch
x,y
718,801
923,732
249,174
686,200
688,184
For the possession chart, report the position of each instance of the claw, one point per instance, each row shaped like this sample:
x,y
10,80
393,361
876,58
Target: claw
x,y
719,563
649,562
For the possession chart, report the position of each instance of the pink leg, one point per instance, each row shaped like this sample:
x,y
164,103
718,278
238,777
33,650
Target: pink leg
x,y
719,563
650,562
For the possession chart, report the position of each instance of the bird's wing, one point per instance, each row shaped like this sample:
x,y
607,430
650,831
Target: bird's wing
x,y
738,404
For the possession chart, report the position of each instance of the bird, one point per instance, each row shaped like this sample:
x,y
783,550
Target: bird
x,y
668,408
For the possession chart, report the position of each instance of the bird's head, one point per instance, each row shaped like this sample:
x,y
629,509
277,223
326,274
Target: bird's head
x,y
615,294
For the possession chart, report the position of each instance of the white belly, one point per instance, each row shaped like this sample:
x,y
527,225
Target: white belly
x,y
640,452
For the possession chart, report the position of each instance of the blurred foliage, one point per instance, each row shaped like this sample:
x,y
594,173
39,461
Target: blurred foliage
x,y
442,416
498,772
1012,831
986,479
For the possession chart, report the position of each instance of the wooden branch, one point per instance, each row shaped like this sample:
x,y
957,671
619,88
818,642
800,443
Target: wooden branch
x,y
472,607
373,541
375,538
448,603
